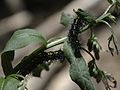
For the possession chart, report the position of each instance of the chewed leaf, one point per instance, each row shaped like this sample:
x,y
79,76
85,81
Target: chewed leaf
x,y
78,69
19,39
22,38
66,19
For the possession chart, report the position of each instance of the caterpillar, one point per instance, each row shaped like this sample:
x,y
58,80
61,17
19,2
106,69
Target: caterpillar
x,y
42,58
78,24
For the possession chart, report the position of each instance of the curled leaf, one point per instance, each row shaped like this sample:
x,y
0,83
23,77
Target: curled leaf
x,y
90,45
111,40
94,71
96,50
19,39
6,61
94,46
111,79
100,75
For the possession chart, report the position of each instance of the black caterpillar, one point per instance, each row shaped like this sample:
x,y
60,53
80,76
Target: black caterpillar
x,y
41,58
78,24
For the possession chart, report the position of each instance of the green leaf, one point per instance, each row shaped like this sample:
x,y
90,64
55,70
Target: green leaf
x,y
118,3
6,59
84,15
1,82
93,45
10,83
66,19
22,38
19,39
79,72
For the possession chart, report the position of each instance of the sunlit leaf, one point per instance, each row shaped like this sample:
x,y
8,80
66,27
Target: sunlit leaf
x,y
9,83
22,38
1,82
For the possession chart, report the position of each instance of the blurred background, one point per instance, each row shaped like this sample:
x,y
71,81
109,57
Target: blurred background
x,y
44,16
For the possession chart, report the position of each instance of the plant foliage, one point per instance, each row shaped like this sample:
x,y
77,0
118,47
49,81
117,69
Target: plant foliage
x,y
39,60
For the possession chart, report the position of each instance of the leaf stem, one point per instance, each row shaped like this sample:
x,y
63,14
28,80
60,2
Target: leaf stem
x,y
105,13
88,53
56,42
107,10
